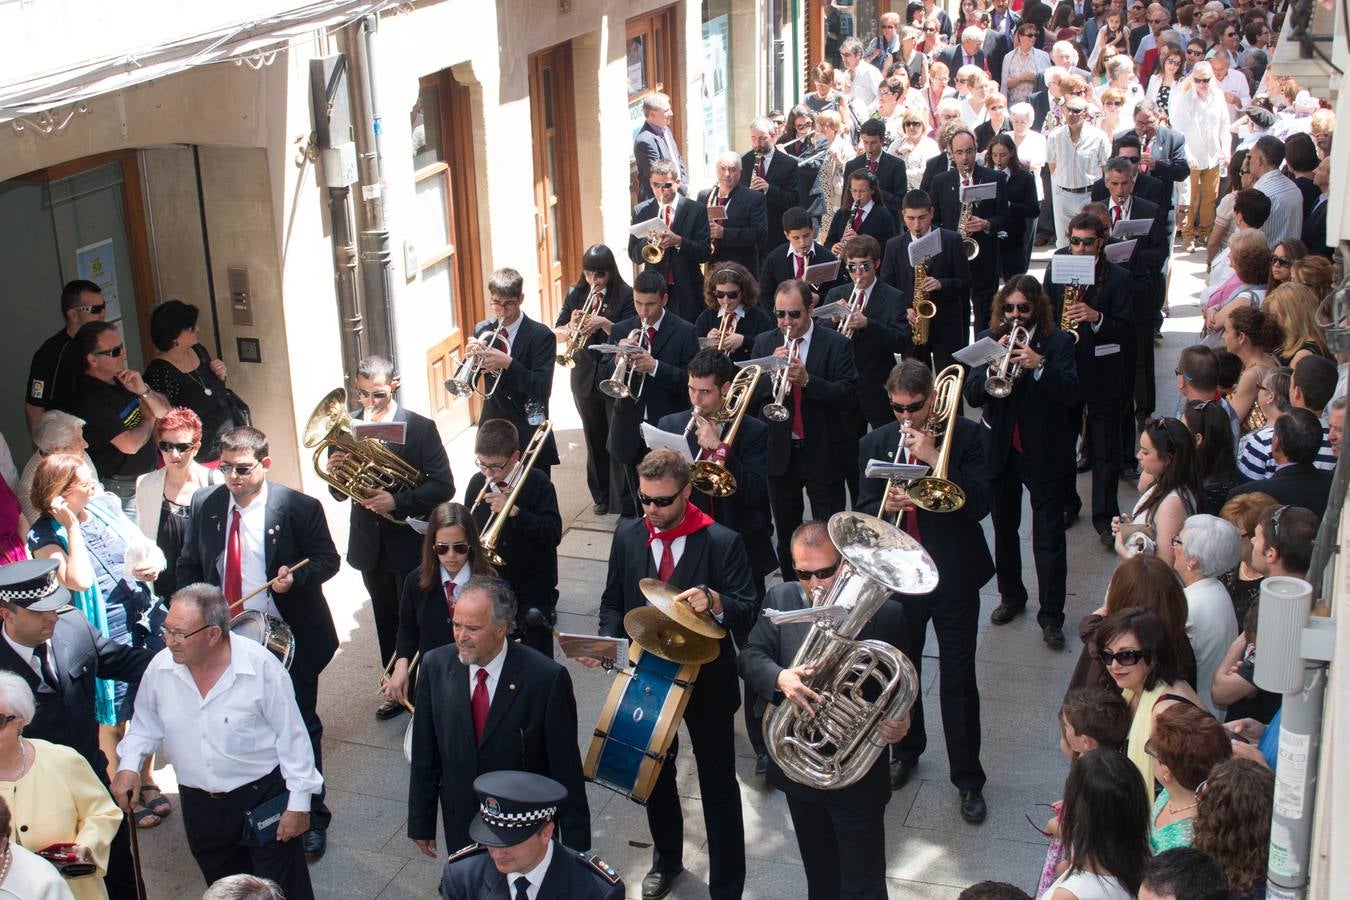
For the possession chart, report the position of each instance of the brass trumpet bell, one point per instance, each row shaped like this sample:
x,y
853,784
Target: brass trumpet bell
x,y
653,252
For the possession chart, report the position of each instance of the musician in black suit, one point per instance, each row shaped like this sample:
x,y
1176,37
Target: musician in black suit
x,y
520,362
955,541
384,552
745,229
946,281
862,214
1146,187
487,703
746,511
792,259
840,833
987,218
887,169
1023,207
685,246
599,274
1027,441
655,141
677,543
773,173
731,290
287,526
819,399
528,541
1102,319
665,346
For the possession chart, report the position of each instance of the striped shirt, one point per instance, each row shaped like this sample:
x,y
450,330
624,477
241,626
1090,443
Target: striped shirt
x,y
1077,165
1255,460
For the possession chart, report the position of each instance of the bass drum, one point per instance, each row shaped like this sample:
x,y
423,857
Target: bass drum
x,y
269,631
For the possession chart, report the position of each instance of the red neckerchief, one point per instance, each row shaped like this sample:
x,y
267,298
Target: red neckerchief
x,y
694,520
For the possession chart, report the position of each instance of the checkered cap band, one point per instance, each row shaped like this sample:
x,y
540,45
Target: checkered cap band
x,y
499,819
31,590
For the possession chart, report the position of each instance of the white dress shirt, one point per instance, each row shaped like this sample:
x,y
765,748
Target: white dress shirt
x,y
535,876
252,550
658,548
23,651
460,581
247,725
1212,628
494,673
1077,165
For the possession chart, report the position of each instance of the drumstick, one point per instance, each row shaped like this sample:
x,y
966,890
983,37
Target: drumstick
x,y
293,569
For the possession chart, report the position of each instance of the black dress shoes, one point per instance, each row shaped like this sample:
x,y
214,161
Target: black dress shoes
x,y
1084,465
390,710
973,809
1004,613
314,842
602,509
658,883
1070,518
1108,539
1053,636
900,771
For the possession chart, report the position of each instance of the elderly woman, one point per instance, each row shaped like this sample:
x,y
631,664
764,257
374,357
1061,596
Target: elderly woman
x,y
1201,113
1207,548
53,795
1120,77
830,181
1111,102
1232,824
1253,337
915,147
54,432
971,86
1171,490
935,92
1294,307
187,376
1187,743
731,290
23,874
1023,64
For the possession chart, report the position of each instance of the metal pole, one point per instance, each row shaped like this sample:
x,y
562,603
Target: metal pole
x,y
1296,787
344,277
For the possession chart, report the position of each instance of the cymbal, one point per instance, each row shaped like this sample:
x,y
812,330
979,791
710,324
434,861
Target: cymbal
x,y
662,596
657,633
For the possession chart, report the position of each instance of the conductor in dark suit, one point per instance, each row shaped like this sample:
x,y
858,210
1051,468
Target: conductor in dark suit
x,y
384,552
738,236
841,834
862,214
771,172
793,258
685,246
988,218
809,448
955,541
878,330
656,370
655,142
1027,441
887,168
487,704
677,543
523,368
288,526
1296,440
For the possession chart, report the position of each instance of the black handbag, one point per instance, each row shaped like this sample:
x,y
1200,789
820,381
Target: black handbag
x,y
240,414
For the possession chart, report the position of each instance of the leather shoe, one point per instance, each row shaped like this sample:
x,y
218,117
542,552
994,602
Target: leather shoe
x,y
1004,613
1070,518
901,770
762,764
390,710
973,809
314,842
602,509
1053,636
1084,465
1108,539
658,883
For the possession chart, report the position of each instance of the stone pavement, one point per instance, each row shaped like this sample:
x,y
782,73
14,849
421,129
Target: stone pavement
x,y
932,853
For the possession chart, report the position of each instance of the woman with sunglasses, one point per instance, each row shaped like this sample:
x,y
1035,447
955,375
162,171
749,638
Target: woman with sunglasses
x,y
1186,744
1282,259
451,555
1294,306
1104,830
915,147
187,376
1023,64
1201,113
1171,490
1206,548
1208,421
1166,77
730,290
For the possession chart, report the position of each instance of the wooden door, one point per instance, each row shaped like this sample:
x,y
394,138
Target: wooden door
x,y
556,204
652,69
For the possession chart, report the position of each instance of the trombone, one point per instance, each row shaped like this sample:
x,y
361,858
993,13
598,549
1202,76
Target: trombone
x,y
777,411
389,674
622,383
934,492
894,482
492,528
576,333
711,476
465,380
1000,381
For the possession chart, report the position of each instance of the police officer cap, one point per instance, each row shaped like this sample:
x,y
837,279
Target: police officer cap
x,y
32,584
513,806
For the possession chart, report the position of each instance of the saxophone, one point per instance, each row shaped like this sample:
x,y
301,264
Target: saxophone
x,y
962,223
1070,296
924,309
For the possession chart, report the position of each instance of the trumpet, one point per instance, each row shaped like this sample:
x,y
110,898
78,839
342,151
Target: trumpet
x,y
967,242
576,334
777,411
726,328
934,492
1070,296
1000,381
652,251
924,309
389,674
465,380
621,383
855,304
492,528
711,475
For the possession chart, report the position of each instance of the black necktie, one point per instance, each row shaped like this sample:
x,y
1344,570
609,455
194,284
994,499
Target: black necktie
x,y
522,888
40,651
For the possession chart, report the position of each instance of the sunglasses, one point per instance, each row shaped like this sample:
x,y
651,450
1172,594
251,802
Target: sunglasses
x,y
658,502
1194,52
240,470
1080,92
913,124
1026,34
1114,103
1076,112
788,313
1125,658
1275,525
371,395
908,408
1017,307
92,310
1279,260
930,30
1200,80
859,267
1082,241
726,295
441,549
167,446
111,352
817,574
663,185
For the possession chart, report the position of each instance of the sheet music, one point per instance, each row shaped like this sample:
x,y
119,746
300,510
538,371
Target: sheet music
x,y
613,651
614,348
884,468
716,213
767,363
656,439
819,273
389,432
974,193
1121,251
643,229
836,308
1066,267
928,246
986,349
1127,228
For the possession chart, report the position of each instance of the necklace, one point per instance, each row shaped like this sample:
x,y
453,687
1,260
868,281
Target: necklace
x,y
4,866
1173,810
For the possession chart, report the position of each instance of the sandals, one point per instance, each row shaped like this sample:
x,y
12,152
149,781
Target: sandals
x,y
156,806
144,818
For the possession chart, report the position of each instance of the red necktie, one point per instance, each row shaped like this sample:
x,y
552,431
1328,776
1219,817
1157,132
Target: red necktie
x,y
450,597
1115,212
759,168
478,703
1017,436
234,582
857,218
499,343
665,570
651,337
872,165
501,486
798,427
800,262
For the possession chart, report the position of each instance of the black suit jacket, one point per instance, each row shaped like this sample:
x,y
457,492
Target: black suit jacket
x,y
1105,357
1298,485
617,307
531,726
714,556
782,194
932,169
296,530
1146,187
372,538
747,511
874,347
529,542
773,648
648,147
1023,210
1168,148
954,540
664,391
80,655
754,322
947,213
1315,230
569,877
744,230
690,222
892,183
948,330
955,57
997,45
878,222
424,621
1039,405
1040,105
985,133
779,266
528,378
828,401
1146,262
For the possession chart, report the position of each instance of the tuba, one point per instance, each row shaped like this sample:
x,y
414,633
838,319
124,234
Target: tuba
x,y
934,492
711,475
776,410
576,336
369,466
924,308
465,380
967,242
492,528
861,683
1071,294
1000,381
621,384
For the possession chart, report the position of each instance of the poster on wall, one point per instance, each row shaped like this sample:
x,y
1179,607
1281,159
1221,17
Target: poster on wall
x,y
716,44
96,263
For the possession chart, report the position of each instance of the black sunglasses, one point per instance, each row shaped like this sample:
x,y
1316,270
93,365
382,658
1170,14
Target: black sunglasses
x,y
908,407
372,395
241,469
1279,260
789,313
817,574
726,295
1082,241
1200,80
663,185
1275,525
658,502
1016,307
166,446
92,309
859,267
441,549
1122,657
111,352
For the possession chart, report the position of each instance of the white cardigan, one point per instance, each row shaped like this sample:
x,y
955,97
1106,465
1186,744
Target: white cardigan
x,y
150,496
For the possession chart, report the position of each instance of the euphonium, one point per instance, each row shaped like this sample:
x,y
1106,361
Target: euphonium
x,y
465,380
711,475
576,334
924,309
652,251
1070,296
967,242
621,383
1000,380
934,492
860,683
776,410
492,528
369,466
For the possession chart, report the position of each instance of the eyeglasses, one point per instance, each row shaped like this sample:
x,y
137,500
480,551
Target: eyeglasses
x,y
658,502
1076,241
441,549
111,352
788,313
1113,102
1125,658
239,470
5,720
1079,92
1176,542
1200,80
1017,307
371,395
92,309
1279,260
168,446
908,408
859,267
727,295
177,635
929,30
505,304
663,185
1076,111
491,467
817,574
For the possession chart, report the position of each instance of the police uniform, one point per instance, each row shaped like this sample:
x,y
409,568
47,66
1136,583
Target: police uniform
x,y
513,807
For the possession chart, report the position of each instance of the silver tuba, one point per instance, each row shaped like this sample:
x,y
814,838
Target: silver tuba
x,y
861,683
